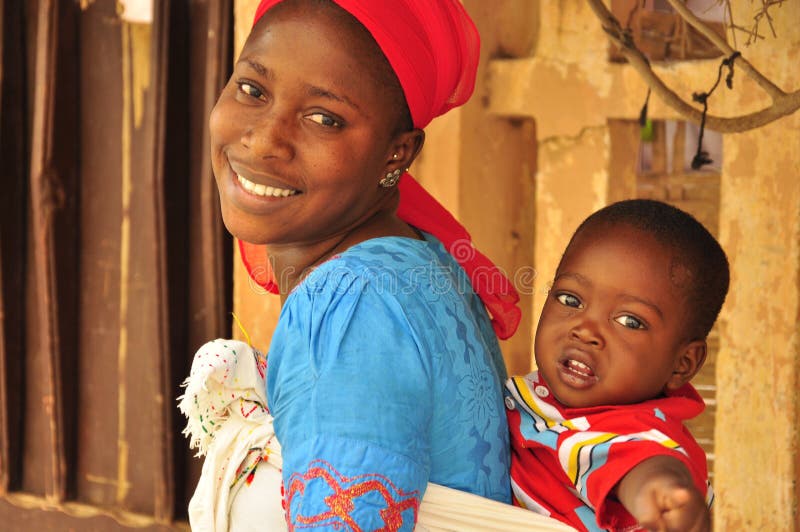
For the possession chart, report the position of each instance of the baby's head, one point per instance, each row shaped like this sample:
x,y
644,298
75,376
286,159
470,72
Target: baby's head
x,y
634,297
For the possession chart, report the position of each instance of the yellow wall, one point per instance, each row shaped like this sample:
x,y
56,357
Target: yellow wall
x,y
757,375
530,156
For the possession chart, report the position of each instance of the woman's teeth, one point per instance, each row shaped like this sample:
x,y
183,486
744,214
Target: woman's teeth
x,y
263,190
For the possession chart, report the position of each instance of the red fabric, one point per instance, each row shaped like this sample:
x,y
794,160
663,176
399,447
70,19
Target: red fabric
x,y
433,47
421,210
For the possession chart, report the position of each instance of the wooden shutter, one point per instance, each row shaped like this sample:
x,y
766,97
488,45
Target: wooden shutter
x,y
114,264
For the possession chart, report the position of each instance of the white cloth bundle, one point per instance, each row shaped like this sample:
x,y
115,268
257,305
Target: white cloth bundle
x,y
228,422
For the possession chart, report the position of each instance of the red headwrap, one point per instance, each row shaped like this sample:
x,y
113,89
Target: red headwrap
x,y
433,47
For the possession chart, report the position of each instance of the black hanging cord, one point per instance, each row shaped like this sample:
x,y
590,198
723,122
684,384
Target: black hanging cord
x,y
643,112
701,158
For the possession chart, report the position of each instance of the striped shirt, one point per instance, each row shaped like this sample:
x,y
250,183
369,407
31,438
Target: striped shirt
x,y
565,462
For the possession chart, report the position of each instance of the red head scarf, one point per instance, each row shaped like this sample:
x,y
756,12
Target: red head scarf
x,y
433,47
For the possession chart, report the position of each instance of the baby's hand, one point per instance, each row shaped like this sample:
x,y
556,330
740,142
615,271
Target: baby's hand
x,y
660,494
666,508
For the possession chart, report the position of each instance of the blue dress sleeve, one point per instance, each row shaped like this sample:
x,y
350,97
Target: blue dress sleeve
x,y
350,389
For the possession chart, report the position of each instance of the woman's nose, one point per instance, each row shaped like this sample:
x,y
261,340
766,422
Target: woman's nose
x,y
587,331
270,137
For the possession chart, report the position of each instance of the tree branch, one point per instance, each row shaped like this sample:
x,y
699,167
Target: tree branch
x,y
782,103
725,48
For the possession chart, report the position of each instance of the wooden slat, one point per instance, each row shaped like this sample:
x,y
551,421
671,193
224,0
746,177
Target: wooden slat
x,y
44,202
198,250
216,276
659,163
164,494
141,373
123,458
5,455
2,43
175,162
209,264
11,122
102,453
209,250
679,147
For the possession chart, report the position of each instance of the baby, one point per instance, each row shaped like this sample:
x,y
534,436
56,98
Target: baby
x,y
597,432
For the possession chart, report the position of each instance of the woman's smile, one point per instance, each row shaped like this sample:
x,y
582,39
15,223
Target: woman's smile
x,y
264,191
255,194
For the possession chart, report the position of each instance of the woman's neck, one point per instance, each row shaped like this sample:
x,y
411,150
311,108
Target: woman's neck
x,y
292,262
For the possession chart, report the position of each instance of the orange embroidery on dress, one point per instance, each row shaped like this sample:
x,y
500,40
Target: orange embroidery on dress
x,y
341,502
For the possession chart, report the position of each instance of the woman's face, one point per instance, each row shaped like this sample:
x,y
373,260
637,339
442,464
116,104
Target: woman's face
x,y
302,133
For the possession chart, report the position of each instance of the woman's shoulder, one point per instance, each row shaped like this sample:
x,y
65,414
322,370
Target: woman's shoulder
x,y
397,266
416,283
392,253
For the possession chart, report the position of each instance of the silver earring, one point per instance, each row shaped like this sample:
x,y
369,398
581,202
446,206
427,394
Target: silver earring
x,y
394,156
391,179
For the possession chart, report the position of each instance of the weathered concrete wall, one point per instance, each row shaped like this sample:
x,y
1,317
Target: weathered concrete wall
x,y
759,363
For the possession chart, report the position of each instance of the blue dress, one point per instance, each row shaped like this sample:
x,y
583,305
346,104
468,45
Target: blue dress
x,y
384,374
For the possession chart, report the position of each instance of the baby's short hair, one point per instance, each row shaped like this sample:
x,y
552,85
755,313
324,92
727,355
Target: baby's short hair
x,y
694,247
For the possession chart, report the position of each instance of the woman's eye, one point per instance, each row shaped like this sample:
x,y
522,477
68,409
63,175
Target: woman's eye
x,y
324,120
250,90
569,300
630,322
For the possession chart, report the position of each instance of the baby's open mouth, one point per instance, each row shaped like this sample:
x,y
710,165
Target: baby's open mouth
x,y
576,374
578,368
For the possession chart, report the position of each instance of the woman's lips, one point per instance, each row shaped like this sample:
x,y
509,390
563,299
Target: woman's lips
x,y
256,198
265,191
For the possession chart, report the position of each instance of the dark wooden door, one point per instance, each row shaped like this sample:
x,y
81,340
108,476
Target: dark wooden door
x,y
114,266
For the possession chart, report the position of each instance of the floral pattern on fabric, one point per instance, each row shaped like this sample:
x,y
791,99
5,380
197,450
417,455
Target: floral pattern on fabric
x,y
397,507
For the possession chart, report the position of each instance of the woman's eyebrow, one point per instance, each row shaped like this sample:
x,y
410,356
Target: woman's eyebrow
x,y
259,68
314,90
311,90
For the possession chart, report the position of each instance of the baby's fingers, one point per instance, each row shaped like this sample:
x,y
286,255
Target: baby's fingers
x,y
683,510
674,499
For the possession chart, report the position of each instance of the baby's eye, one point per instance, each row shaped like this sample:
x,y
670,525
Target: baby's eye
x,y
569,300
324,120
630,322
250,90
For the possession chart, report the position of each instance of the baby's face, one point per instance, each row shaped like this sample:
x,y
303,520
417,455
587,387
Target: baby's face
x,y
611,331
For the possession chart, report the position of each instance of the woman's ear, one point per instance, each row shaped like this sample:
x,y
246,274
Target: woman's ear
x,y
689,362
404,149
